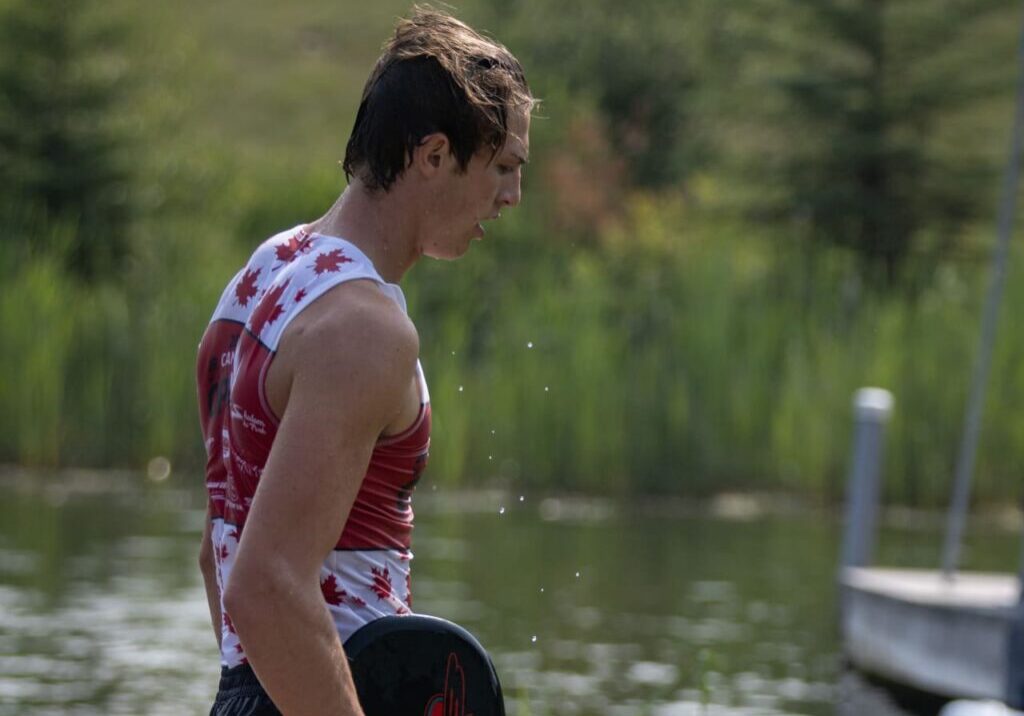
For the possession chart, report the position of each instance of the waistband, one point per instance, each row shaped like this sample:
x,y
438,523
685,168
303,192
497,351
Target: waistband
x,y
239,681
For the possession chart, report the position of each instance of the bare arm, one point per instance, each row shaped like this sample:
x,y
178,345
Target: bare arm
x,y
208,566
349,370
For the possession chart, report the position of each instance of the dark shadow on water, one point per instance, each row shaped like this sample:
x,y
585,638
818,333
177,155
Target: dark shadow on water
x,y
861,694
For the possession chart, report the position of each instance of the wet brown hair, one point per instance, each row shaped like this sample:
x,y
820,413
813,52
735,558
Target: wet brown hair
x,y
436,74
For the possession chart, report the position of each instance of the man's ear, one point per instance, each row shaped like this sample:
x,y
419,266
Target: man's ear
x,y
432,154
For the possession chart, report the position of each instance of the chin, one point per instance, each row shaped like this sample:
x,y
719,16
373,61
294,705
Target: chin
x,y
447,253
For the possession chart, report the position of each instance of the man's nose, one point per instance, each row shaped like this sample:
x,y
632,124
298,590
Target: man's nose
x,y
511,195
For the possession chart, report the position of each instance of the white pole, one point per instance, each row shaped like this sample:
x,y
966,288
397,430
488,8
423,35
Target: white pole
x,y
972,421
871,409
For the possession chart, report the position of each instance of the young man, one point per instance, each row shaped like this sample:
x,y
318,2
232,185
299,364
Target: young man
x,y
312,401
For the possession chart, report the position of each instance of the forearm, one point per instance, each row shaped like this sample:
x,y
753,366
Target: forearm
x,y
291,643
208,567
213,600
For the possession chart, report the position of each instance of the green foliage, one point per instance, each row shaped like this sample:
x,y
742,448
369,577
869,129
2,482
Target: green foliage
x,y
862,94
638,67
693,360
33,421
60,149
607,336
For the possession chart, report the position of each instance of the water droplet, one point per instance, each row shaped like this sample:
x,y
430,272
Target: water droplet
x,y
545,389
453,352
492,432
542,590
501,511
490,457
577,575
521,498
533,639
530,344
460,388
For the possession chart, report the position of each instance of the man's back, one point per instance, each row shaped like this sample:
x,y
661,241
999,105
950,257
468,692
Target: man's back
x,y
367,574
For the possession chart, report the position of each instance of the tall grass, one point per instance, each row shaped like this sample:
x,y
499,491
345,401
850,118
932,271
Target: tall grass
x,y
676,354
589,343
689,356
37,336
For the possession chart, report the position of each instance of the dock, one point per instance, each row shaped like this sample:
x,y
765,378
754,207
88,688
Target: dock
x,y
951,633
915,627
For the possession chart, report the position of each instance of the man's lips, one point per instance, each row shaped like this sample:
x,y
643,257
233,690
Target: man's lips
x,y
480,224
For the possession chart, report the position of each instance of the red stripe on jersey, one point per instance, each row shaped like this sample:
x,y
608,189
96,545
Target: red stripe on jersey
x,y
240,427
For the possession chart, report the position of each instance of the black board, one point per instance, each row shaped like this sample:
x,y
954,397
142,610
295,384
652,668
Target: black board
x,y
419,665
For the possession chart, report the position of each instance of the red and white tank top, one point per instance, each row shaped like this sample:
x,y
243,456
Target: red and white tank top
x,y
367,575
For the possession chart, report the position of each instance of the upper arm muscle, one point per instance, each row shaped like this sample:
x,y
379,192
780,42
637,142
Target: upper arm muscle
x,y
349,368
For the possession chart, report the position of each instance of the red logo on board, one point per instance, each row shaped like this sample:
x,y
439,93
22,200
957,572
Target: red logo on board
x,y
451,701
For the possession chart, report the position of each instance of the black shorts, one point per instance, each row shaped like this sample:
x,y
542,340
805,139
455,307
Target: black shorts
x,y
241,694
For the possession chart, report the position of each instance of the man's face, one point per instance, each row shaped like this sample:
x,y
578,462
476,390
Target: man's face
x,y
480,193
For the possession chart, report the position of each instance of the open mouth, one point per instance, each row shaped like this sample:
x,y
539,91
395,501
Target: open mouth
x,y
480,224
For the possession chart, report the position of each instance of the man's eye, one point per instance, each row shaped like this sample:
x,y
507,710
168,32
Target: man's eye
x,y
505,169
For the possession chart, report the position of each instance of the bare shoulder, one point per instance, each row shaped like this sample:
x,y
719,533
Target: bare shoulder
x,y
359,309
353,335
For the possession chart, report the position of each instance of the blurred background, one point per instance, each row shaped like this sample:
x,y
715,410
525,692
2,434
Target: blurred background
x,y
735,215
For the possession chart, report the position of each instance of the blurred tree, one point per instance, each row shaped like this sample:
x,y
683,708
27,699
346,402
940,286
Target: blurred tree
x,y
61,157
636,65
852,138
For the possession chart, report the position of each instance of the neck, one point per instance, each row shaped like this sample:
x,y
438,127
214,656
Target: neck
x,y
377,225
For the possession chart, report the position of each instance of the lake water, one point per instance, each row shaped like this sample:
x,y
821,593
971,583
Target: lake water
x,y
591,608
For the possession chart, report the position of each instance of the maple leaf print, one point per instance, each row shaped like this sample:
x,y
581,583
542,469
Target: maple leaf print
x,y
246,288
222,552
333,594
228,623
300,295
381,582
356,601
330,261
408,590
291,248
268,310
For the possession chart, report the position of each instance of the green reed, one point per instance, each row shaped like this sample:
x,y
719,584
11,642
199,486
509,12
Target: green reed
x,y
677,353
